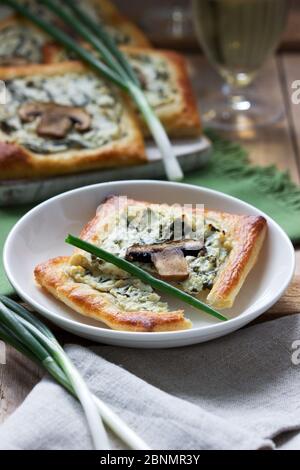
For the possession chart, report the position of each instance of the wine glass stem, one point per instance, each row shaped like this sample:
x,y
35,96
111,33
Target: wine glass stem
x,y
234,95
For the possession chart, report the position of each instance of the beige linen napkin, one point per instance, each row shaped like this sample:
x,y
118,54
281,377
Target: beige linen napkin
x,y
237,392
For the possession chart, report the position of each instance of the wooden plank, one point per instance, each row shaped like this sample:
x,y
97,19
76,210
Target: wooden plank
x,y
297,262
17,377
291,36
266,145
160,31
290,64
289,303
291,69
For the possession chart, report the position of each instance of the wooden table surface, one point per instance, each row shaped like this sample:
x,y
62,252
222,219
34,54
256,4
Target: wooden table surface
x,y
278,144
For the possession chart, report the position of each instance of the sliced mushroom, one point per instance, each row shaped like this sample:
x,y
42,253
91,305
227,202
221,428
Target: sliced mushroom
x,y
29,111
171,264
56,120
54,125
143,253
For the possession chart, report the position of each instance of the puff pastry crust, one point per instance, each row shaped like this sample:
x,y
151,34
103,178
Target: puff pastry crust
x,y
91,303
113,17
180,116
245,234
30,43
16,161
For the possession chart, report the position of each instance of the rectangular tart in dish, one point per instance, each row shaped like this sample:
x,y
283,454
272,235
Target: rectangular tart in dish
x,y
63,118
210,259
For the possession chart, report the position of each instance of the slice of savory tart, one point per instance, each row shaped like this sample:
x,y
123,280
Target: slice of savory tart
x,y
206,253
63,118
111,135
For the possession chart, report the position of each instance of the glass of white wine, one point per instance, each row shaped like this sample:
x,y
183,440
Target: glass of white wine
x,y
238,36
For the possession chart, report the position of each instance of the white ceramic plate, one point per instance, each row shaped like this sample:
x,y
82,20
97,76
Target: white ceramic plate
x,y
192,154
40,235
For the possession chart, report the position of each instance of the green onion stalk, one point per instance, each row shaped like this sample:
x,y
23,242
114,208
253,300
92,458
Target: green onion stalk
x,y
143,276
114,65
105,39
22,330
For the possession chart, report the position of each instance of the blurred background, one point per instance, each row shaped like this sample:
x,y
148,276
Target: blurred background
x,y
168,23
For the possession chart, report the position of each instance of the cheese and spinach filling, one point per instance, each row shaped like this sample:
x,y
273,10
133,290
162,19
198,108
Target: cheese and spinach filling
x,y
153,73
127,293
86,91
20,44
119,35
155,77
132,294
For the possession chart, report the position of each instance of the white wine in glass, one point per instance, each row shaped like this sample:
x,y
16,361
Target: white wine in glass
x,y
238,36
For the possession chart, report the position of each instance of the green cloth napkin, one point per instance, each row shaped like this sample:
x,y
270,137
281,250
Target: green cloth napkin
x,y
228,171
8,217
266,188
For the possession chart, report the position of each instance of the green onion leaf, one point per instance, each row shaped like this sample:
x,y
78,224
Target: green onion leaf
x,y
38,345
23,331
67,42
143,276
22,312
81,29
108,41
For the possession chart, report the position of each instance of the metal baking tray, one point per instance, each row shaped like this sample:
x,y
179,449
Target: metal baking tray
x,y
191,153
